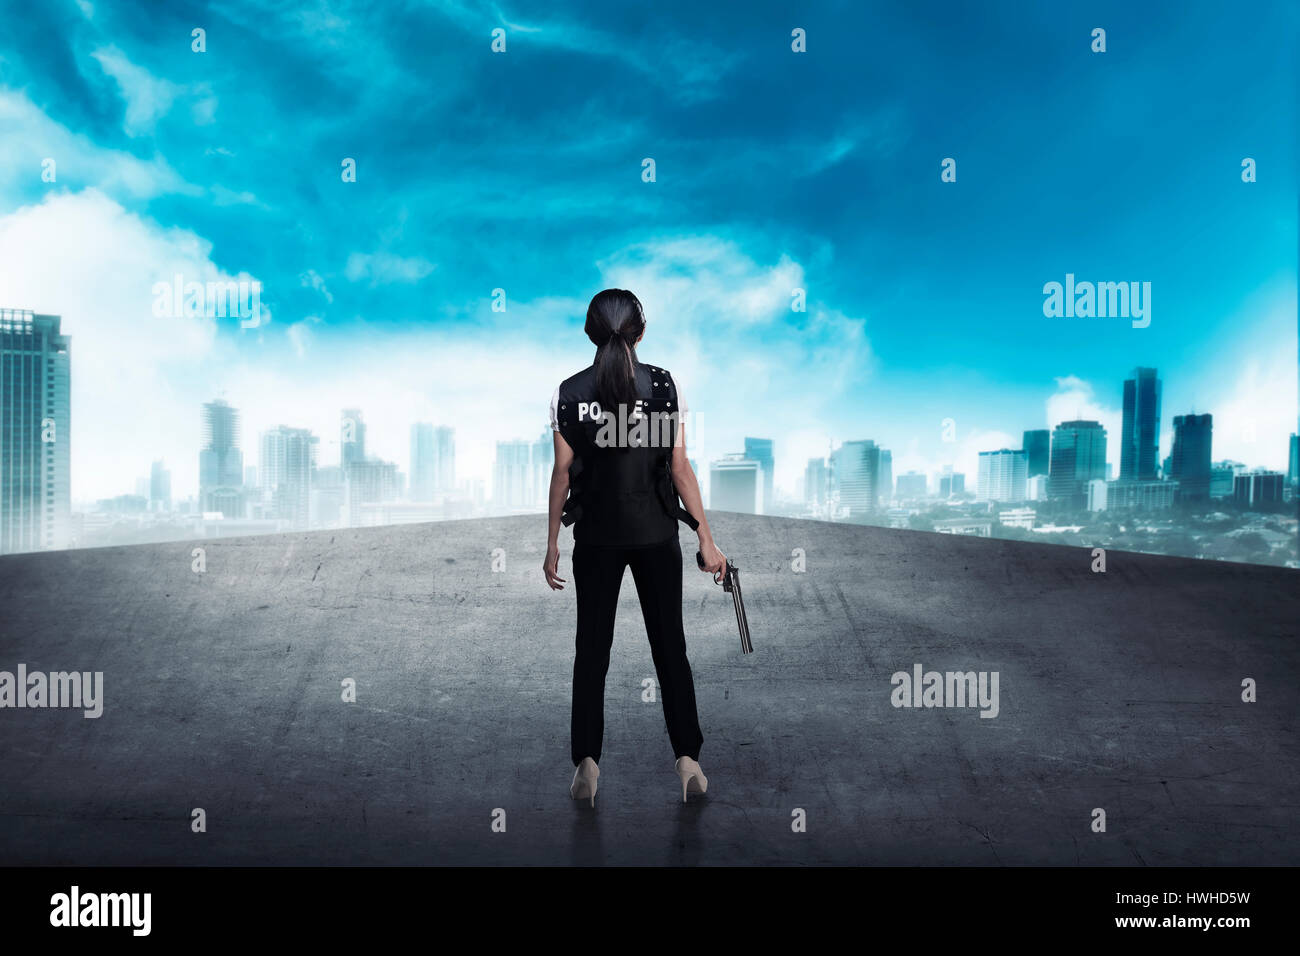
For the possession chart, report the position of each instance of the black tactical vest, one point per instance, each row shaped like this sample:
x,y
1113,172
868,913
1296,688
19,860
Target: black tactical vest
x,y
620,483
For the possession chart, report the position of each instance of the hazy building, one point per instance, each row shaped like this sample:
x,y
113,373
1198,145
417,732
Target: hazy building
x,y
287,462
221,463
1018,518
1037,446
1002,475
1078,457
35,420
912,485
816,482
160,487
1140,495
327,497
1189,460
977,527
885,478
444,448
368,481
856,477
424,468
1036,488
1140,437
950,482
1096,494
511,475
1258,489
760,450
541,465
1222,478
1293,468
433,460
736,484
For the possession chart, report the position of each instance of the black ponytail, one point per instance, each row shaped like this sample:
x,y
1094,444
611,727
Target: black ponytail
x,y
614,322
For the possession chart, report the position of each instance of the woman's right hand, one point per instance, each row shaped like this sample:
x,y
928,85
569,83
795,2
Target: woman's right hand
x,y
715,562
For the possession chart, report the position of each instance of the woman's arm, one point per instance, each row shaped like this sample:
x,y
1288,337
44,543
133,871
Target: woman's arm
x,y
559,492
688,489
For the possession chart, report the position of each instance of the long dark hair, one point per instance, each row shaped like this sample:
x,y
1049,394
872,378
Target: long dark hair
x,y
614,323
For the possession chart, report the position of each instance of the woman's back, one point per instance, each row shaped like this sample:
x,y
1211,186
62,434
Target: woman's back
x,y
621,489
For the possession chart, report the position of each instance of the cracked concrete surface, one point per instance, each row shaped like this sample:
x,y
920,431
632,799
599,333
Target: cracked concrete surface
x,y
223,691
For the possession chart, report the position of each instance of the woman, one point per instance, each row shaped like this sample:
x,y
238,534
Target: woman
x,y
620,468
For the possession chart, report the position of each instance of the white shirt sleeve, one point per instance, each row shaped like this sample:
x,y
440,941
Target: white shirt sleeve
x,y
555,406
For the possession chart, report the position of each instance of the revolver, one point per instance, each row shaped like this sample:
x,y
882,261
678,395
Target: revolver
x,y
730,581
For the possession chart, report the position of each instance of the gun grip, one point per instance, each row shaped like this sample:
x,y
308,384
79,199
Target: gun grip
x,y
699,559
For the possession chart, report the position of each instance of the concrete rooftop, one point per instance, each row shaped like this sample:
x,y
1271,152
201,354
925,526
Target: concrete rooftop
x,y
222,691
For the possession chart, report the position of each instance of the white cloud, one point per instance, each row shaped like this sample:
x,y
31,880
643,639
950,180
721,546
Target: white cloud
x,y
384,267
300,334
147,97
312,279
31,136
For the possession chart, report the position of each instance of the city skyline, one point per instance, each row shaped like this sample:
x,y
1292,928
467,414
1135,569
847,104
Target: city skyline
x,y
525,484
1066,473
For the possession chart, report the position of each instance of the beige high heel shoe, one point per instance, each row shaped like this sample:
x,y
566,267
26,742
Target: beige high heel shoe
x,y
692,777
584,780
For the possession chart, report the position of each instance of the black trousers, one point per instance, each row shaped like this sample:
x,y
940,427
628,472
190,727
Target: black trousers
x,y
597,578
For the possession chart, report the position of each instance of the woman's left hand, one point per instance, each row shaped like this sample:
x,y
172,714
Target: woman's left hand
x,y
551,568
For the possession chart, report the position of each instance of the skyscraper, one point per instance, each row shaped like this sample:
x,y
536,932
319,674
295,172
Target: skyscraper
x,y
760,450
444,447
1037,447
424,466
510,477
912,485
1002,475
815,482
541,463
160,487
286,467
35,417
950,482
221,463
1189,461
1293,469
1078,457
885,478
855,476
1140,439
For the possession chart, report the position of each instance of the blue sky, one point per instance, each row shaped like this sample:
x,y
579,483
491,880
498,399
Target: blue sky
x,y
522,171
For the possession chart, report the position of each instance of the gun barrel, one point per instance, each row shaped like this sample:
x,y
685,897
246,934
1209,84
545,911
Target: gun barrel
x,y
742,620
